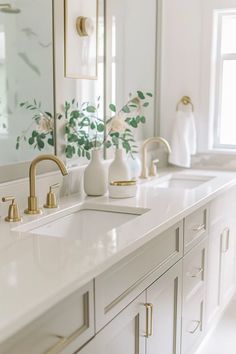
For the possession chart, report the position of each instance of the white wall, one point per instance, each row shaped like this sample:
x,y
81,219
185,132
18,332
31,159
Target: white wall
x,y
186,60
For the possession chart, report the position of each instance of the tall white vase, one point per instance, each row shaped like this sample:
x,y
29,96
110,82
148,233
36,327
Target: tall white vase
x,y
119,169
95,175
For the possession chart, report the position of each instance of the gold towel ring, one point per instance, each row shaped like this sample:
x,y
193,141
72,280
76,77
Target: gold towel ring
x,y
185,100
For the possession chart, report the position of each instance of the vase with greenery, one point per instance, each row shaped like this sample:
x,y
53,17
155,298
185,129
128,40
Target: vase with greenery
x,y
86,132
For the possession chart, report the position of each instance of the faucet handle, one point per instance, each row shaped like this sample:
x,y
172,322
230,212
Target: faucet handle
x,y
13,211
153,169
51,201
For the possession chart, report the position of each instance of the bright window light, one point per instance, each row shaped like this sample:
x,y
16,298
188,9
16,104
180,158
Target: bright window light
x,y
225,81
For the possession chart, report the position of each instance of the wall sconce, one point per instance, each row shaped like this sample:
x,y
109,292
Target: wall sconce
x,y
81,39
84,26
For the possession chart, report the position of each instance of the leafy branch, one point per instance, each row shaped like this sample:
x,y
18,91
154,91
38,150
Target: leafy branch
x,y
40,132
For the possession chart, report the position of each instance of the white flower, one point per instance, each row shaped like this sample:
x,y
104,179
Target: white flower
x,y
117,125
45,124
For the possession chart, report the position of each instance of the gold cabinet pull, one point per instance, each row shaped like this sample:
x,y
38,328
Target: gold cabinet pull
x,y
198,228
196,274
149,319
198,324
225,240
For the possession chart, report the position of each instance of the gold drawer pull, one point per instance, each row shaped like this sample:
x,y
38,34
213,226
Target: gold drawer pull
x,y
149,319
195,275
64,341
198,228
198,324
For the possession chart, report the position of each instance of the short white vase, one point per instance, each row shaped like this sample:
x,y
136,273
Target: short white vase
x,y
95,175
119,169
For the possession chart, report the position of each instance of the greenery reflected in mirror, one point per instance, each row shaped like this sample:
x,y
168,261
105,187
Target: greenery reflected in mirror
x,y
26,75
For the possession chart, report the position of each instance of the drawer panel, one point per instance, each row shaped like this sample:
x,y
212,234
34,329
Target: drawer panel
x,y
118,286
192,322
194,269
195,228
63,329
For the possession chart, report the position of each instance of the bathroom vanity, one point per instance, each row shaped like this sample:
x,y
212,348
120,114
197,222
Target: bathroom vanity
x,y
122,276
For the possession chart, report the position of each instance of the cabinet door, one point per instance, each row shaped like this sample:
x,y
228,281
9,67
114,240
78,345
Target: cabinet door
x,y
164,313
124,334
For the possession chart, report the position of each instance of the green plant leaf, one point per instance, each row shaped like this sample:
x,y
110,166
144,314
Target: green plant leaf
x,y
146,104
31,140
126,109
133,123
51,141
40,144
69,151
141,95
143,119
100,127
88,155
91,109
112,107
49,114
92,126
149,94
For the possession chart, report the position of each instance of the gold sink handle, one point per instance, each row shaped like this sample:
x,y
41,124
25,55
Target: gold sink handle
x,y
51,201
13,211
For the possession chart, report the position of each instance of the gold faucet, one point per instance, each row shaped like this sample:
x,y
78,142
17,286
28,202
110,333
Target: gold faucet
x,y
157,139
32,199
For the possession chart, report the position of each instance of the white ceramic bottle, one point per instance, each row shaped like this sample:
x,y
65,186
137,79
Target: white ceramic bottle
x,y
95,175
119,169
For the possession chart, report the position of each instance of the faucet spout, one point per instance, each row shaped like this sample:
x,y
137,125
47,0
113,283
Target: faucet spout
x,y
157,139
32,199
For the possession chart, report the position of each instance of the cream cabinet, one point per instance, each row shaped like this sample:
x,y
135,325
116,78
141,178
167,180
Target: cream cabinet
x,y
162,298
221,255
150,324
124,334
164,313
63,329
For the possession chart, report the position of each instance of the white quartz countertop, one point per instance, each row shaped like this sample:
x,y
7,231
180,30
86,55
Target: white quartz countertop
x,y
36,271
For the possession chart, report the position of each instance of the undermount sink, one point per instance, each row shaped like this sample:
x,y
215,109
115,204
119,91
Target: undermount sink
x,y
183,181
83,222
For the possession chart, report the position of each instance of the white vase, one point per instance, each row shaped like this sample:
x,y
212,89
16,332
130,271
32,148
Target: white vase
x,y
119,169
95,175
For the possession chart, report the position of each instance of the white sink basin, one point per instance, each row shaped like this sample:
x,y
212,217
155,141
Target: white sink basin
x,y
183,181
84,222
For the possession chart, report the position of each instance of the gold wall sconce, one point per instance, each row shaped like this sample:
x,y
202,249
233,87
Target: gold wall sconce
x,y
185,100
85,26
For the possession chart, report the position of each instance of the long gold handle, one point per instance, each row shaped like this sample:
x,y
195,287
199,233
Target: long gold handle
x,y
64,341
199,227
198,324
149,319
196,274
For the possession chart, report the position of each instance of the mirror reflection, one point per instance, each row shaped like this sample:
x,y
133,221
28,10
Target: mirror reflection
x,y
131,53
26,79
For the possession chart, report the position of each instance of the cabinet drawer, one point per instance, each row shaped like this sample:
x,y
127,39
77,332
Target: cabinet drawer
x,y
192,322
195,228
118,286
194,268
63,329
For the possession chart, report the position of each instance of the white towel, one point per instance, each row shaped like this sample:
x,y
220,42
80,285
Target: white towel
x,y
184,137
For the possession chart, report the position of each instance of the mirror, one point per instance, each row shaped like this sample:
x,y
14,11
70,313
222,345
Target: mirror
x,y
26,76
132,55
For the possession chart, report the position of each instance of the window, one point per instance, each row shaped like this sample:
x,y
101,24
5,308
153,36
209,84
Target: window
x,y
225,81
